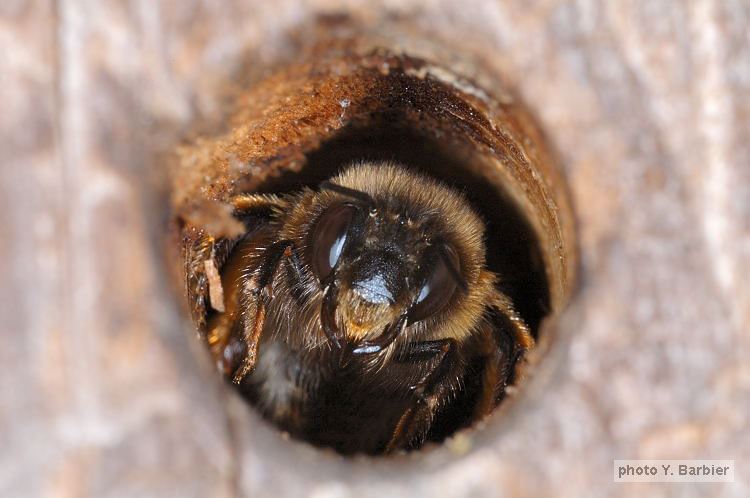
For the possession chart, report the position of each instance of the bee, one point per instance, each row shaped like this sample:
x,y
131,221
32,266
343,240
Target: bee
x,y
360,315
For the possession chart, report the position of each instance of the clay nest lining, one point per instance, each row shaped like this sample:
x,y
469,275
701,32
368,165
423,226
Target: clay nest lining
x,y
310,120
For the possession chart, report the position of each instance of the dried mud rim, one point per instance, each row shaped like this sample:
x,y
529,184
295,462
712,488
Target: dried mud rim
x,y
310,120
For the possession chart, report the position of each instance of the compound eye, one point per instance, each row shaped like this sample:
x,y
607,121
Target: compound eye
x,y
329,237
438,289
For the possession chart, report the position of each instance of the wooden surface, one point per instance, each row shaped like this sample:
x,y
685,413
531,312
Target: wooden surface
x,y
104,390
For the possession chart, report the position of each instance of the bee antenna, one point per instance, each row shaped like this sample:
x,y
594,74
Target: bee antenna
x,y
363,197
328,316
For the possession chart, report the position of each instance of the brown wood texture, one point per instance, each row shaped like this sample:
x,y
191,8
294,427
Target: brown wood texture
x,y
105,391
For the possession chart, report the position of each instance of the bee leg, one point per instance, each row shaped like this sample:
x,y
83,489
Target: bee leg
x,y
261,293
416,421
253,204
226,346
196,280
521,332
503,342
246,206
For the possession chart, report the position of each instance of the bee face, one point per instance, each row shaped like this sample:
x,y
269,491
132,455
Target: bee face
x,y
390,249
369,261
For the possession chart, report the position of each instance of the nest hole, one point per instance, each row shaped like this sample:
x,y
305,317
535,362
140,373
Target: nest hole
x,y
426,124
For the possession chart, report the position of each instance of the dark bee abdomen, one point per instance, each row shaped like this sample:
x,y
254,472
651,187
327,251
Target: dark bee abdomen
x,y
352,417
334,407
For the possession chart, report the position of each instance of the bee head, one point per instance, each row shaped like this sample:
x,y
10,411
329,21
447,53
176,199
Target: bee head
x,y
383,262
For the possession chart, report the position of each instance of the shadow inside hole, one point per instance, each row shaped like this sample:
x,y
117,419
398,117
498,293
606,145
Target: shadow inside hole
x,y
513,250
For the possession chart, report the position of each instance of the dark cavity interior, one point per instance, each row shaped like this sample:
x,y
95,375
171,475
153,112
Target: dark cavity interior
x,y
513,250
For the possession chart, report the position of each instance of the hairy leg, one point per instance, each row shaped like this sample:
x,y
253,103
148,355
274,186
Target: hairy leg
x,y
428,392
260,291
503,341
219,321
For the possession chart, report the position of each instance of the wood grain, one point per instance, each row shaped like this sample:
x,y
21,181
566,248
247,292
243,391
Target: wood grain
x,y
105,392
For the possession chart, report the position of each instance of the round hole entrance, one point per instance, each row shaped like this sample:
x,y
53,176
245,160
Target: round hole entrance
x,y
286,140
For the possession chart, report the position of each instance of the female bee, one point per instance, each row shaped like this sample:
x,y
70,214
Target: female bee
x,y
359,314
